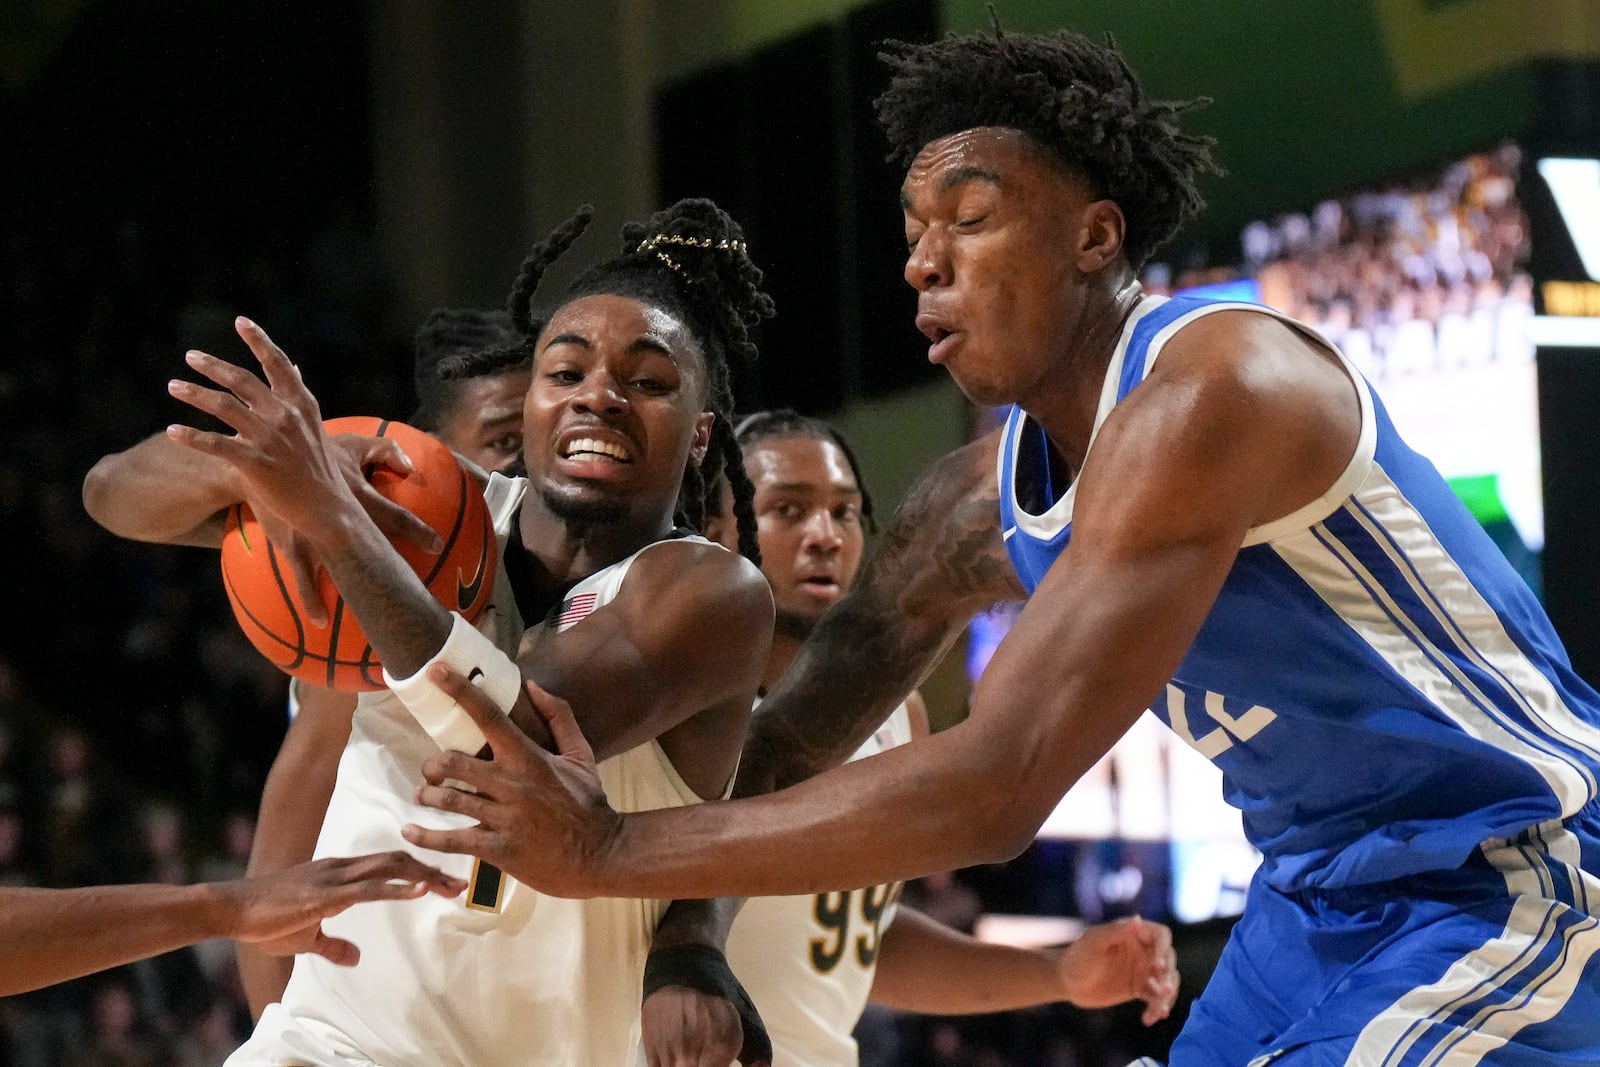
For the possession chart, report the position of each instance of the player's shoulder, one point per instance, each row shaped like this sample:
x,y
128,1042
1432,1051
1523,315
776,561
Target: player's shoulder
x,y
692,567
1253,349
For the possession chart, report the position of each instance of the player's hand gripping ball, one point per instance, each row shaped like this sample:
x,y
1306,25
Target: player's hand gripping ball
x,y
461,577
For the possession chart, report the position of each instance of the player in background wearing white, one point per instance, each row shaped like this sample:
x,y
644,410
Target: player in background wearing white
x,y
53,935
480,418
812,962
656,637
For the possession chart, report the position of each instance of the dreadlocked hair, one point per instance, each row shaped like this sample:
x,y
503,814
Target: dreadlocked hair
x,y
786,422
690,260
1076,99
525,327
444,336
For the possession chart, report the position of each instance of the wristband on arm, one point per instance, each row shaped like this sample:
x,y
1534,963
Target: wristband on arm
x,y
481,662
705,970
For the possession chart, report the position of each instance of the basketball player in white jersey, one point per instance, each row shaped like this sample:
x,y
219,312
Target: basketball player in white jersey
x,y
655,636
480,418
812,962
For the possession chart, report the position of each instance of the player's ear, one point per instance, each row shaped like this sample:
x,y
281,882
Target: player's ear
x,y
702,438
1100,235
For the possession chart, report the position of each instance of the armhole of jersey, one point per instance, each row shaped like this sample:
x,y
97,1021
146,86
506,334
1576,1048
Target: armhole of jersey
x,y
1360,464
1355,472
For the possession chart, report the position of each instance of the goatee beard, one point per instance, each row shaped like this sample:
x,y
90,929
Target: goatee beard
x,y
584,513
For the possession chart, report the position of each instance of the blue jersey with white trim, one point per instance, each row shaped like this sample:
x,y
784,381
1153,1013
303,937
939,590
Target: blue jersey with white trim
x,y
1380,689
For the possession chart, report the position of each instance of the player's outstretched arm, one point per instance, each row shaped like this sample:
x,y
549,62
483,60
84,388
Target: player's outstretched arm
x,y
926,967
161,492
52,935
940,561
1230,436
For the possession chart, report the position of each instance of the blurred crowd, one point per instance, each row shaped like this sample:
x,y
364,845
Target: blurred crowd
x,y
1408,278
136,725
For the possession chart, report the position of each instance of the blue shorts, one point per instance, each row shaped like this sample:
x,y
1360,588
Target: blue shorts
x,y
1497,963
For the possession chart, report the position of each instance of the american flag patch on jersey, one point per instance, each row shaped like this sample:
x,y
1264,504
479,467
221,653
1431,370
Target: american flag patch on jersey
x,y
576,607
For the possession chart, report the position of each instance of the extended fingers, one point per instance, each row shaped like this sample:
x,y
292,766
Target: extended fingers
x,y
467,840
279,369
457,766
563,725
445,798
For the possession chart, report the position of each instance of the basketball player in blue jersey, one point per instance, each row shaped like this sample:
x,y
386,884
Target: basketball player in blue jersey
x,y
1210,515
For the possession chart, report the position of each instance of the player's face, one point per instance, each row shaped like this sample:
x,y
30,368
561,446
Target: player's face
x,y
485,424
991,227
808,514
615,412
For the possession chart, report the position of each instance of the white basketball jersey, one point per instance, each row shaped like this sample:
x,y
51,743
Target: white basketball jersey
x,y
501,975
808,961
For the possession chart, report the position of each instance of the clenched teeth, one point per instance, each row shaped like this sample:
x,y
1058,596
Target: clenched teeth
x,y
599,448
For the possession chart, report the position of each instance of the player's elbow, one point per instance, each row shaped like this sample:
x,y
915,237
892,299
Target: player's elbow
x,y
105,498
1006,821
96,492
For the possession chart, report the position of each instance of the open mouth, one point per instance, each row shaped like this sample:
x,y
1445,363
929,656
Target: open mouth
x,y
589,448
943,341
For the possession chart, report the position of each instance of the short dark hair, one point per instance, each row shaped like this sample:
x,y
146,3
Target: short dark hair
x,y
1074,98
689,259
443,335
786,422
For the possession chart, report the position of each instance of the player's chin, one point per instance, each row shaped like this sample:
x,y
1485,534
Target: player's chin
x,y
585,504
981,388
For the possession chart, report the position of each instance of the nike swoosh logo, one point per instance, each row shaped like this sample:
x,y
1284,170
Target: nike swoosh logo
x,y
467,592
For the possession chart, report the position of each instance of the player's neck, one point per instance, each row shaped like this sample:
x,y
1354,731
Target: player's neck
x,y
563,552
1065,406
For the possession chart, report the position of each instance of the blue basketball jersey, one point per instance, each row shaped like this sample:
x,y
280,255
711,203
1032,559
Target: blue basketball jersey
x,y
1380,689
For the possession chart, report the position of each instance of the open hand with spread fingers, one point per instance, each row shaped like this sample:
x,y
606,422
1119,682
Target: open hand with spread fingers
x,y
520,786
293,474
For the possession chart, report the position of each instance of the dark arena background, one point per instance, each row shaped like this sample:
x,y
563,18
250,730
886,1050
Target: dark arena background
x,y
1417,177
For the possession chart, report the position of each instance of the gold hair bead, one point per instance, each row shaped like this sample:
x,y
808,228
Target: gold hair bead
x,y
724,245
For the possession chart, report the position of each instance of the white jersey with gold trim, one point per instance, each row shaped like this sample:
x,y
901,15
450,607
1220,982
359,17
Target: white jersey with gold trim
x,y
808,961
502,975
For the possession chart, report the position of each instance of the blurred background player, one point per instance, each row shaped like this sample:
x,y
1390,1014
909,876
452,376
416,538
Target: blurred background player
x,y
480,417
631,620
812,962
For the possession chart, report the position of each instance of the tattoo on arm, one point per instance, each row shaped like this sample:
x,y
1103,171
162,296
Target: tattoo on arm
x,y
941,561
403,622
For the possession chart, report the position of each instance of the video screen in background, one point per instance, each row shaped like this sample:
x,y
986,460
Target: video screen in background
x,y
1424,285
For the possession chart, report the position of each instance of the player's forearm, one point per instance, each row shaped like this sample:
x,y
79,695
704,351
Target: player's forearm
x,y
401,619
162,492
696,922
52,935
925,966
849,675
937,804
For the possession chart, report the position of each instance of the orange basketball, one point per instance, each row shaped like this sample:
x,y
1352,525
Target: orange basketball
x,y
261,587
